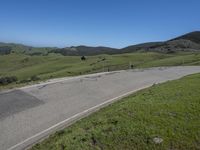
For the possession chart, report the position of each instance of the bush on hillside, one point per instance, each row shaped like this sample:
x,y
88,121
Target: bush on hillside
x,y
7,80
83,58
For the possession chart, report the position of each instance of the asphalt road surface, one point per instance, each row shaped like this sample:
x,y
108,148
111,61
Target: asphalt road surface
x,y
33,112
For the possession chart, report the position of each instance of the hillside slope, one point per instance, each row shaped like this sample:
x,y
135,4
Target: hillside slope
x,y
7,48
187,42
30,68
192,36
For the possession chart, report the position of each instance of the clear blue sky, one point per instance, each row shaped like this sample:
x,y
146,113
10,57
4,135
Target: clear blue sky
x,y
114,23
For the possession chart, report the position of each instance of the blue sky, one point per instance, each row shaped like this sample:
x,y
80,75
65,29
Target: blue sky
x,y
114,23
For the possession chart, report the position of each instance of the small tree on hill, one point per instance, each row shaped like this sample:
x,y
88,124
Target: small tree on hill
x,y
83,58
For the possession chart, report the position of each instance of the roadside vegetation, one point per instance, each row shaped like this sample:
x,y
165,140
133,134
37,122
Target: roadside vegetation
x,y
7,80
29,69
164,116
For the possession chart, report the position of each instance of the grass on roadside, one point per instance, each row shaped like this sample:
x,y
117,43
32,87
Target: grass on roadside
x,y
168,112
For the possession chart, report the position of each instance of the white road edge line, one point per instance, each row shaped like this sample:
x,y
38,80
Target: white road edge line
x,y
77,115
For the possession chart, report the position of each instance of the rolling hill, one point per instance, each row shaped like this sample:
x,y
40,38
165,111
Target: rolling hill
x,y
193,36
6,48
189,42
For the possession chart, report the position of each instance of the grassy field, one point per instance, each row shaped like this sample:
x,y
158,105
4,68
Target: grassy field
x,y
169,112
53,65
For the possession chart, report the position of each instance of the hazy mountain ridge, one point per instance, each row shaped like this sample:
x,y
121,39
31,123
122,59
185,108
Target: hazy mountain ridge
x,y
20,48
187,42
85,50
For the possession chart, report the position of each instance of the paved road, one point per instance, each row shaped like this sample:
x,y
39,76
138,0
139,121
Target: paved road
x,y
30,113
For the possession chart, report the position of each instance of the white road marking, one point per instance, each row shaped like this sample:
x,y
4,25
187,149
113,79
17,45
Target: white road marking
x,y
77,115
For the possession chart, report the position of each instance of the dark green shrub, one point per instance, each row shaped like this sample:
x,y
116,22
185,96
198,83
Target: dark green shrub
x,y
7,80
83,58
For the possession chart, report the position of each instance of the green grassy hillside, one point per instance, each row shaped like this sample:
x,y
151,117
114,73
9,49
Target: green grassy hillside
x,y
52,66
165,116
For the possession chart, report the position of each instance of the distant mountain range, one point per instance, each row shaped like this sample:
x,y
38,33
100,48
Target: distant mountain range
x,y
187,42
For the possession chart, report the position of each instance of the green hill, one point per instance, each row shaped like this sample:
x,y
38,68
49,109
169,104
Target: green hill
x,y
30,68
188,42
7,48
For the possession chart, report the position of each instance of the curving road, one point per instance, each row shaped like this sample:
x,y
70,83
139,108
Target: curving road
x,y
30,113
